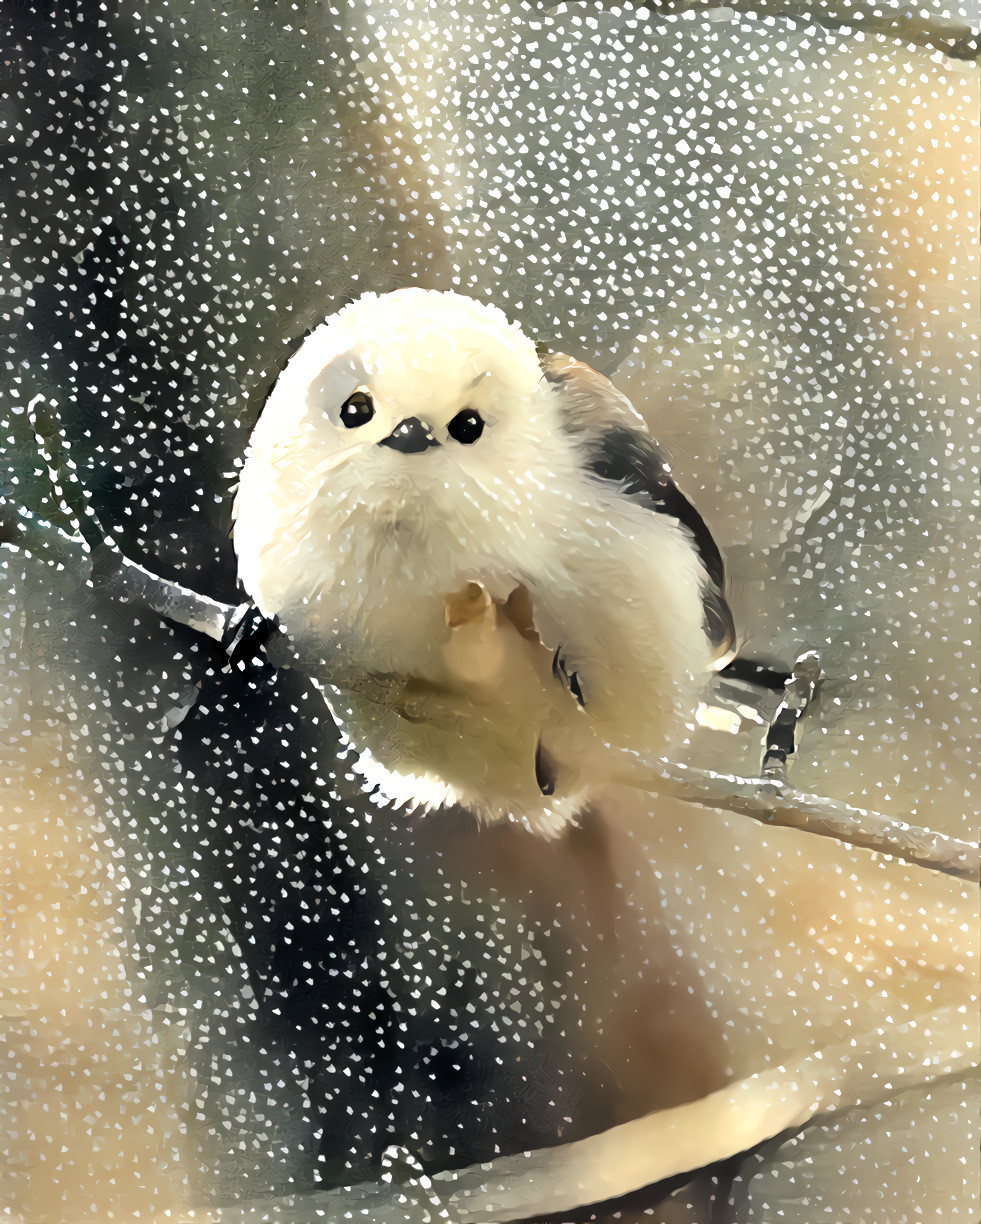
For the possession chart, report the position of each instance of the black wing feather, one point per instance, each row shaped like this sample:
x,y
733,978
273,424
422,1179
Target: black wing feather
x,y
624,456
628,459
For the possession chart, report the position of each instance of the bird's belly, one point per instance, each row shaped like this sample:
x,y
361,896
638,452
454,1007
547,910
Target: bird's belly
x,y
441,678
388,604
477,707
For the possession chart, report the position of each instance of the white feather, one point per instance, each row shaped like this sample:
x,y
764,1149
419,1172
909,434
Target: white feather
x,y
360,550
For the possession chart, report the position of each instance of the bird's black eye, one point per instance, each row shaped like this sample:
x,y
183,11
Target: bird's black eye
x,y
357,410
466,426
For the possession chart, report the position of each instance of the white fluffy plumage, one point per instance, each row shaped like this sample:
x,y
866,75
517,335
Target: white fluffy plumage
x,y
481,554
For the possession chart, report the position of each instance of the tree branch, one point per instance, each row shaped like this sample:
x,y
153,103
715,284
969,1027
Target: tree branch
x,y
773,801
950,36
607,1165
245,634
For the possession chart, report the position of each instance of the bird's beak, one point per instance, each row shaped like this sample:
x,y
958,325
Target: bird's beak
x,y
410,437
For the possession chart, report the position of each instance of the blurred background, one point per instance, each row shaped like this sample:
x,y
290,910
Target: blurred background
x,y
227,972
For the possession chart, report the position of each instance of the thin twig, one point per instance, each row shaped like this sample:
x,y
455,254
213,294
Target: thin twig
x,y
952,37
70,494
244,633
773,801
128,582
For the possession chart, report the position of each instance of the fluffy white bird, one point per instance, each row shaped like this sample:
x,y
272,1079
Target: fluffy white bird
x,y
482,553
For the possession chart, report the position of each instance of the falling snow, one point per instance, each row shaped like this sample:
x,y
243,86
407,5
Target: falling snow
x,y
230,973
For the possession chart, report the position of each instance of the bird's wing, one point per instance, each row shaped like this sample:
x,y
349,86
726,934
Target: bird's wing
x,y
619,451
589,401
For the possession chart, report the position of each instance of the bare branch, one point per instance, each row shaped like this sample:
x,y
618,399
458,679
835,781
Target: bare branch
x,y
638,1153
21,528
129,582
773,801
238,627
952,37
70,494
244,633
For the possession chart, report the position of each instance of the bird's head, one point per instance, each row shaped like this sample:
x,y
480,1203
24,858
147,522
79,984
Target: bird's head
x,y
415,403
395,386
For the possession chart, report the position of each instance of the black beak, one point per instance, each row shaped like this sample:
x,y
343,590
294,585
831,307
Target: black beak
x,y
410,437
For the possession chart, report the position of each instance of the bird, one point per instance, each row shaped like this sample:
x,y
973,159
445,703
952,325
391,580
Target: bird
x,y
478,551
